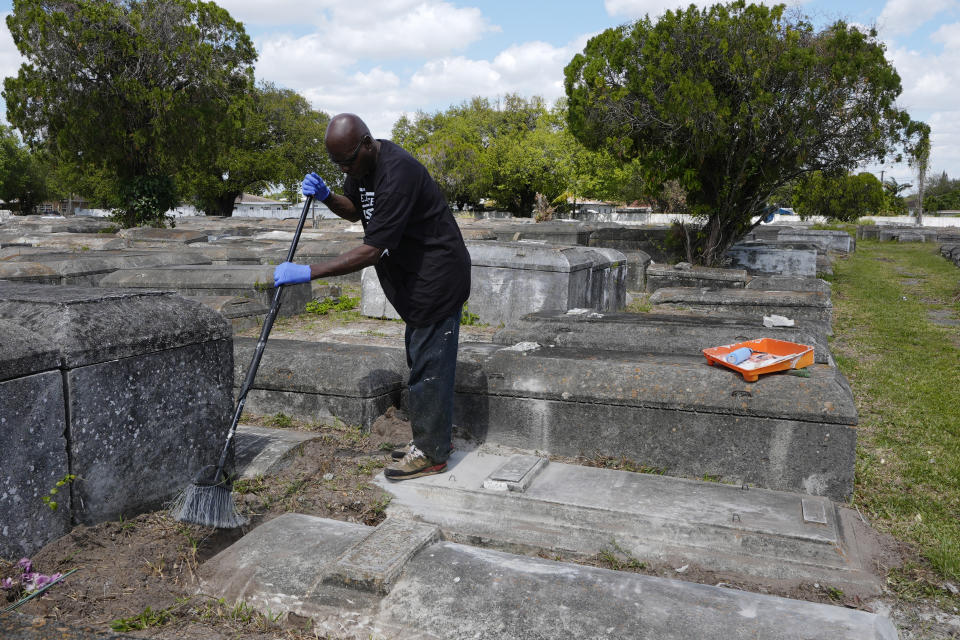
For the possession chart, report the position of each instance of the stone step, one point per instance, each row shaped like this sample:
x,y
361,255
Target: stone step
x,y
523,502
396,581
250,281
264,451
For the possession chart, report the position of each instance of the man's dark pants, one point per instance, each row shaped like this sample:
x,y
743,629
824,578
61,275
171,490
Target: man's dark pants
x,y
432,358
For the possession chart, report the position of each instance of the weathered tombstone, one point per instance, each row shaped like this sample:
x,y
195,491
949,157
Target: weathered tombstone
x,y
660,276
34,453
824,239
764,259
648,332
152,235
868,232
318,380
812,310
511,279
251,281
139,382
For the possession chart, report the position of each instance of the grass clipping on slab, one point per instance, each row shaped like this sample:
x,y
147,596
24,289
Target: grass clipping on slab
x,y
905,373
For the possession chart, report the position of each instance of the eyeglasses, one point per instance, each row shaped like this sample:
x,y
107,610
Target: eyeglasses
x,y
353,156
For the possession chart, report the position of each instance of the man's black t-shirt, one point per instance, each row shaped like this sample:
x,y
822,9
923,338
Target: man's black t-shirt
x,y
425,271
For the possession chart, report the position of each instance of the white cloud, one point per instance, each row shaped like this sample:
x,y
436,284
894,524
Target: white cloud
x,y
300,62
945,142
653,8
428,29
372,29
929,79
905,16
10,58
948,35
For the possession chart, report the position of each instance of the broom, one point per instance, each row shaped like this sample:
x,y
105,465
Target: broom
x,y
208,501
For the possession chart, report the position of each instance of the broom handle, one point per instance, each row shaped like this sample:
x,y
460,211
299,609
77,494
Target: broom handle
x,y
261,343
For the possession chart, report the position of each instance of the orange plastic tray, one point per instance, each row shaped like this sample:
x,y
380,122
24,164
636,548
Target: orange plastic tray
x,y
778,355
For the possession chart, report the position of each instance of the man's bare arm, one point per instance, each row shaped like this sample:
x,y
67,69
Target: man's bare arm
x,y
353,260
343,207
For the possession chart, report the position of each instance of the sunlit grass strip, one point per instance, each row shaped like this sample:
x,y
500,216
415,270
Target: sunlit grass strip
x,y
905,374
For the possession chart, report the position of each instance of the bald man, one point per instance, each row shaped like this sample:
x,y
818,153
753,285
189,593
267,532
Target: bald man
x,y
413,241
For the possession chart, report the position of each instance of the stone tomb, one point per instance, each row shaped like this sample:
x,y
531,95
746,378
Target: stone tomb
x,y
824,239
400,580
88,268
529,503
762,258
683,274
811,310
319,380
661,333
673,413
512,279
250,281
669,411
129,391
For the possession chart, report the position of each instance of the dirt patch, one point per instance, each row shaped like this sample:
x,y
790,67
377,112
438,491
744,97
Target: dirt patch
x,y
144,570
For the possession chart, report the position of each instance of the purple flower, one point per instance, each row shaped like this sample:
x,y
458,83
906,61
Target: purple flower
x,y
6,584
39,582
25,565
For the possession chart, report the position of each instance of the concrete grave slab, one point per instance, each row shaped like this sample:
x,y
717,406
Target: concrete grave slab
x,y
71,241
28,272
135,367
824,239
320,380
511,279
767,259
34,451
451,591
649,332
265,451
249,281
812,310
660,276
89,268
788,283
154,235
669,412
577,510
242,313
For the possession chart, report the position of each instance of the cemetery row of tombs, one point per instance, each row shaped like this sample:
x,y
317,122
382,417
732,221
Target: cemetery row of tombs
x,y
118,356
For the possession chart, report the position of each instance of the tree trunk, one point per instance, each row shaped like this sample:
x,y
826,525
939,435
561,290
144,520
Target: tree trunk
x,y
225,204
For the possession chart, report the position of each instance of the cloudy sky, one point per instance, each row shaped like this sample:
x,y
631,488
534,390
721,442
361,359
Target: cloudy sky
x,y
384,58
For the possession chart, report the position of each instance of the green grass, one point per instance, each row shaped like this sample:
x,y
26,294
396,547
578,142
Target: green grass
x,y
325,306
905,374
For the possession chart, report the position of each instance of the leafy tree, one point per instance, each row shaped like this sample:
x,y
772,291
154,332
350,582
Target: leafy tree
x,y
23,183
895,203
277,138
136,89
734,101
510,150
843,198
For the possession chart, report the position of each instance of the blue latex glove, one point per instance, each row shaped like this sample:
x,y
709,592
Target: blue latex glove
x,y
313,185
291,273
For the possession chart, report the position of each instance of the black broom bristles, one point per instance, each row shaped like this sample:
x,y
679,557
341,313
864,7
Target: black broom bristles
x,y
208,501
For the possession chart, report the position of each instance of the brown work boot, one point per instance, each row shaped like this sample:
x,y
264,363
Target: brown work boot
x,y
413,465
